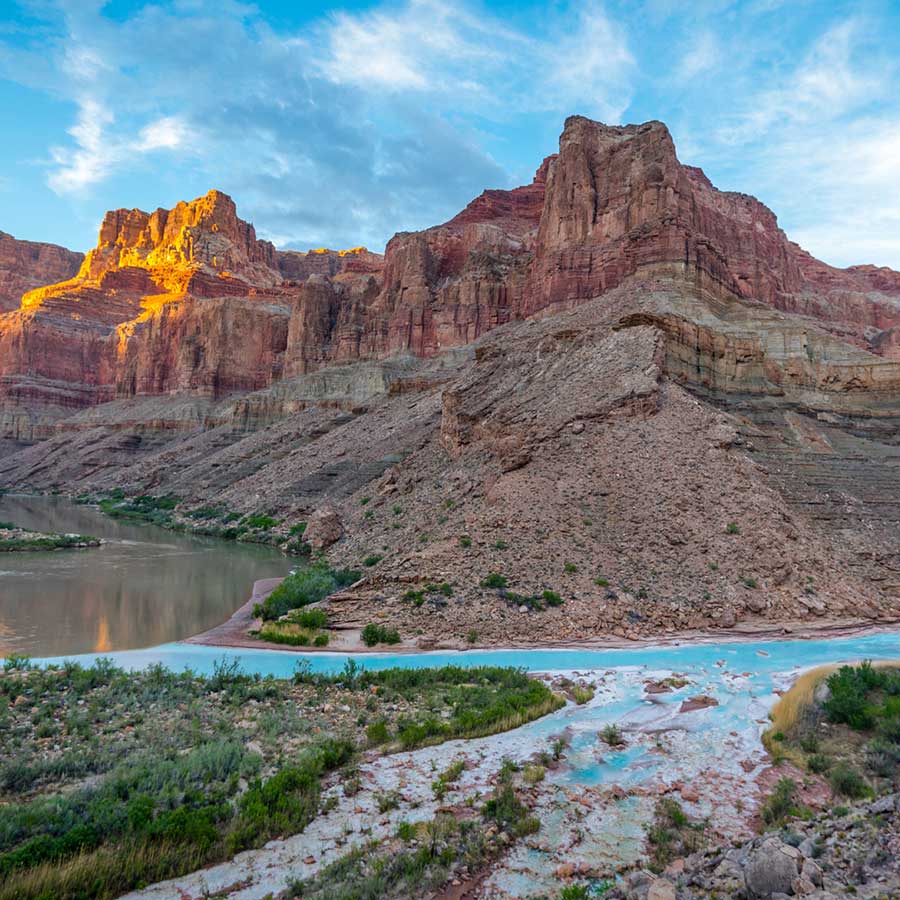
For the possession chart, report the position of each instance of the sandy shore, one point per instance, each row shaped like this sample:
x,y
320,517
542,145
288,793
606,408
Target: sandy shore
x,y
235,633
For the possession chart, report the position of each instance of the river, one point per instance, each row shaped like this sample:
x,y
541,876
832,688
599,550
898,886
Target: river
x,y
146,585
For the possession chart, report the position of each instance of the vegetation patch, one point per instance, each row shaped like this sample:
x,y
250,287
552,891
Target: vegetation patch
x,y
425,856
841,724
144,508
307,586
454,702
111,780
13,539
374,634
673,834
532,602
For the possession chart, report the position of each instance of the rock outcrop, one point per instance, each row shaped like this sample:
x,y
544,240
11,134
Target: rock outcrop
x,y
846,851
26,265
175,300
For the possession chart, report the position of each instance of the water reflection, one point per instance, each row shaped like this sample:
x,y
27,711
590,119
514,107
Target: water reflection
x,y
145,586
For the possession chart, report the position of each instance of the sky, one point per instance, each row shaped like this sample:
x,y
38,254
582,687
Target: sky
x,y
340,124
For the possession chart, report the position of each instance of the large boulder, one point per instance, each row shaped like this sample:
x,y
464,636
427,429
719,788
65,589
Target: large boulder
x,y
771,869
323,529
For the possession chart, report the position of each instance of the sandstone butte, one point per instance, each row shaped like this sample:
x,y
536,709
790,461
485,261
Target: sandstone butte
x,y
618,315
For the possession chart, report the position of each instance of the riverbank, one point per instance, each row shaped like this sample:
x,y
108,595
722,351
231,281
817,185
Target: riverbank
x,y
593,775
235,633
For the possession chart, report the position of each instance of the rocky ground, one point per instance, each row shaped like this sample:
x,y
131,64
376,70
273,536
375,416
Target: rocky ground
x,y
849,851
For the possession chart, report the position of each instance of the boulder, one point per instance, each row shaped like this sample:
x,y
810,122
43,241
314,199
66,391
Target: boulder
x,y
770,870
323,529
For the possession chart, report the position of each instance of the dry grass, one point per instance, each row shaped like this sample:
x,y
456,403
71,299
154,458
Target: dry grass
x,y
104,873
789,709
787,712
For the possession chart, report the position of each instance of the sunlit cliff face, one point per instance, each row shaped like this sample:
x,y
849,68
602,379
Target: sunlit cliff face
x,y
155,255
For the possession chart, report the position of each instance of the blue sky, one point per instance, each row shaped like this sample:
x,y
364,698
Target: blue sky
x,y
337,125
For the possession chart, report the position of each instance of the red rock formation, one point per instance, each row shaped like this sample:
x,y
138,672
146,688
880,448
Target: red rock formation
x,y
181,299
618,199
441,288
25,265
614,203
297,266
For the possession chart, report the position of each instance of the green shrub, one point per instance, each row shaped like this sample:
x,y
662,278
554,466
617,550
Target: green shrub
x,y
387,800
494,580
551,598
260,521
373,559
287,801
610,734
582,694
732,528
509,813
377,733
883,758
307,586
809,743
298,529
374,634
781,803
818,763
850,701
570,568
846,781
465,542
310,618
205,512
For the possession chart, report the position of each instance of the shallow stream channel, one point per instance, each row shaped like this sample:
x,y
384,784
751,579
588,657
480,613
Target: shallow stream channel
x,y
698,740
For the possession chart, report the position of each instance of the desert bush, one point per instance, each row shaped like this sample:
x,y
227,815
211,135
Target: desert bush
x,y
781,803
374,634
309,585
847,782
494,580
610,734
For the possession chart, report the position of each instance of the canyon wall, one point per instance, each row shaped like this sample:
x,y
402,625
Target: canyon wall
x,y
189,299
25,265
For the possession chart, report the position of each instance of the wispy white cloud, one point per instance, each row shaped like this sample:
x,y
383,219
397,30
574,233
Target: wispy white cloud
x,y
99,151
443,48
840,191
701,54
831,79
818,139
394,113
377,110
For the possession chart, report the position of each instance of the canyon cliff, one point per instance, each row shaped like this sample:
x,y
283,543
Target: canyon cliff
x,y
25,265
617,382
